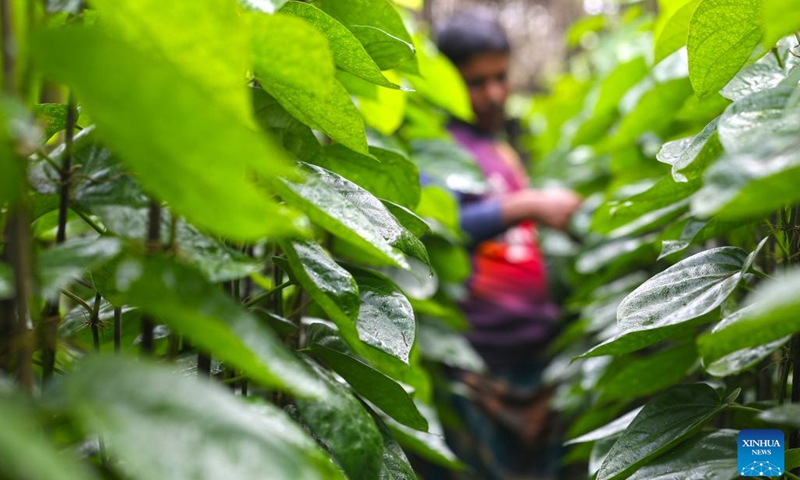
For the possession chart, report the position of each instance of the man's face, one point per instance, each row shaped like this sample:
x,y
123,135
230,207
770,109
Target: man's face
x,y
486,75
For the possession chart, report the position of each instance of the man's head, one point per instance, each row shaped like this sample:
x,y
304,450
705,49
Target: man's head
x,y
477,44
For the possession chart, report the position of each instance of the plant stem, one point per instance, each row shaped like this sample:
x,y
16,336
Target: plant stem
x,y
153,245
742,408
94,322
203,365
48,327
117,329
78,300
264,295
9,49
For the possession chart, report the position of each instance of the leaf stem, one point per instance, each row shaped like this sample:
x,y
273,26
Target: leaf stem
x,y
743,408
778,58
97,228
78,300
264,295
152,246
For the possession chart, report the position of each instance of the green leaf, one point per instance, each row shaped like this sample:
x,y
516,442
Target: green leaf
x,y
180,297
60,265
753,78
722,36
293,62
637,377
440,82
664,304
393,177
53,116
157,103
666,420
344,427
746,122
690,156
653,112
742,359
215,428
381,390
26,452
779,17
383,109
439,342
617,83
449,165
608,430
377,25
786,414
348,53
386,319
672,30
410,220
708,455
751,184
395,463
320,196
295,136
612,252
428,445
215,65
773,315
438,204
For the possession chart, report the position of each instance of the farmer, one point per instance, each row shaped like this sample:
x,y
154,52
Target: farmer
x,y
508,304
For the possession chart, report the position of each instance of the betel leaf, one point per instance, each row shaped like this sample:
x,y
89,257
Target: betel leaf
x,y
395,463
381,390
348,53
722,37
750,184
180,297
134,96
429,445
386,320
383,109
786,414
608,430
672,29
378,26
709,455
666,420
746,122
779,17
224,436
393,177
690,156
753,78
27,453
637,377
293,62
742,359
295,136
773,315
410,220
449,165
327,207
61,264
665,303
343,426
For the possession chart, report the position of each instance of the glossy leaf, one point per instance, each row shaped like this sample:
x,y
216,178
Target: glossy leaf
x,y
740,360
348,53
395,463
293,62
666,302
158,103
449,165
217,428
66,262
295,136
370,383
344,427
722,36
663,423
771,317
752,79
180,297
609,430
393,177
745,123
429,445
408,219
690,156
672,29
26,453
709,456
386,320
378,26
320,196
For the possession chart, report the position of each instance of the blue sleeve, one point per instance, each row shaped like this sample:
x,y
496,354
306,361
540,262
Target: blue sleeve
x,y
482,219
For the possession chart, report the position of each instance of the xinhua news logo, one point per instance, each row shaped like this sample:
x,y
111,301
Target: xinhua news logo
x,y
760,453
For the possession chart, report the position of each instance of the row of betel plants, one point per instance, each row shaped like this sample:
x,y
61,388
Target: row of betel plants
x,y
683,132
222,189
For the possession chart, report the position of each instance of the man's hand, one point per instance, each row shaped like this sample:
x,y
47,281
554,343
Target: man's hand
x,y
553,208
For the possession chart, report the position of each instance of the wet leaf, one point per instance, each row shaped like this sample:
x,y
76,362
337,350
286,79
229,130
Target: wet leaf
x,y
746,122
708,456
666,420
295,136
752,79
690,156
722,36
608,430
663,305
226,436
